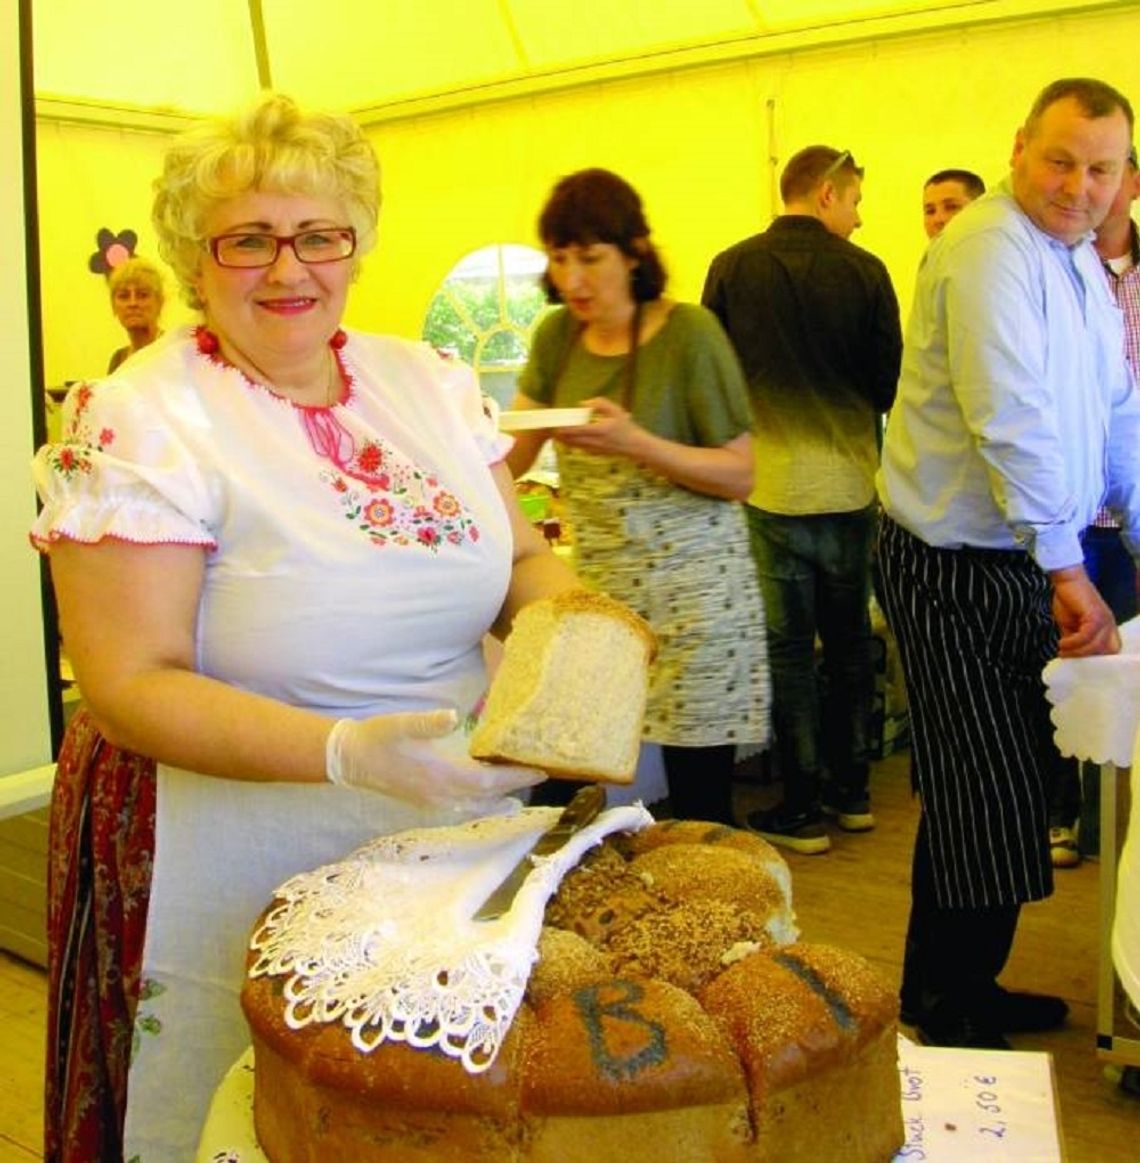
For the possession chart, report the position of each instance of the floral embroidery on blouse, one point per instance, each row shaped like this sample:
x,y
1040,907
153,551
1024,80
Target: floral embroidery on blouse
x,y
146,1022
415,508
69,460
394,502
72,457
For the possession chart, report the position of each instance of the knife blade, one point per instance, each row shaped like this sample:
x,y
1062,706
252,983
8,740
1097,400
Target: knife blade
x,y
588,801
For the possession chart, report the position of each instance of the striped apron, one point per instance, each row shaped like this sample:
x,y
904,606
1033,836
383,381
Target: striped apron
x,y
975,629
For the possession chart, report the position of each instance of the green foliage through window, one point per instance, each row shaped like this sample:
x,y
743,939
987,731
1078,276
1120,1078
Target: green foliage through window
x,y
485,313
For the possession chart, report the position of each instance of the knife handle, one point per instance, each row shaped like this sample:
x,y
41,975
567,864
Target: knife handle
x,y
583,809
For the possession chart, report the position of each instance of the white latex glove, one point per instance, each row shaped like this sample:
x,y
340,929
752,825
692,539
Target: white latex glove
x,y
420,757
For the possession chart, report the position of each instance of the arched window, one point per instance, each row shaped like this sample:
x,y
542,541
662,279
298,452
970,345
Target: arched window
x,y
485,313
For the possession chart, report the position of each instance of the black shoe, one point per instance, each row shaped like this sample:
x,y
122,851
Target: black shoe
x,y
1022,1013
802,832
944,1027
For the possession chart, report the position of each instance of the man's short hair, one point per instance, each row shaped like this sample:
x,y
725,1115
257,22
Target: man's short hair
x,y
1096,99
810,167
967,179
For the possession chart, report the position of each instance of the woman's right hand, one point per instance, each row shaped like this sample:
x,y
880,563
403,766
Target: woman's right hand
x,y
419,757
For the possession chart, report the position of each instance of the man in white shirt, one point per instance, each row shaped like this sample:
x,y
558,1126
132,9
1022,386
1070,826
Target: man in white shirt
x,y
1107,560
1015,419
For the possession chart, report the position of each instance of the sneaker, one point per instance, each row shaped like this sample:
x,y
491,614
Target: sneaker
x,y
852,816
802,832
1063,850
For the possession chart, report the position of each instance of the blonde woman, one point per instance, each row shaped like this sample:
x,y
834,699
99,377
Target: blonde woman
x,y
276,547
136,299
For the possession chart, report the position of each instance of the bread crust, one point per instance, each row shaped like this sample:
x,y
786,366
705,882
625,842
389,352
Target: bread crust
x,y
592,602
783,1055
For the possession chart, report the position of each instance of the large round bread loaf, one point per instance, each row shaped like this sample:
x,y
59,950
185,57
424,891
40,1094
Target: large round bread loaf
x,y
667,1019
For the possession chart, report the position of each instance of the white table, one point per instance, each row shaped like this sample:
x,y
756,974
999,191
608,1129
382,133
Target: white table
x,y
1096,713
1117,1039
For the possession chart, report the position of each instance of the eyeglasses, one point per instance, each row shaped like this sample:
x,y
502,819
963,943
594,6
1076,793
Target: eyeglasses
x,y
261,250
837,165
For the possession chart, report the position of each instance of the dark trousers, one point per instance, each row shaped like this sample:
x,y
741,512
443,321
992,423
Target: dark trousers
x,y
699,780
953,956
815,578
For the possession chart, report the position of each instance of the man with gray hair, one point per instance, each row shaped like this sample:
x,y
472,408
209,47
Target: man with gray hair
x,y
1016,417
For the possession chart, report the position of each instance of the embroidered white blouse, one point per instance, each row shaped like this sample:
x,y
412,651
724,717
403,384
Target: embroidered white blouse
x,y
356,554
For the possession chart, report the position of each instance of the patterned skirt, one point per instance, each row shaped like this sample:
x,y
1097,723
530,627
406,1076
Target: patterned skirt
x,y
100,858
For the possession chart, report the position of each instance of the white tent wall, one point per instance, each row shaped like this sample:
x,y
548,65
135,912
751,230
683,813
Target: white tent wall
x,y
88,179
695,141
24,720
696,145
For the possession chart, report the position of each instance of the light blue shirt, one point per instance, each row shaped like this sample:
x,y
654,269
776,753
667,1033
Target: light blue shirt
x,y
1016,414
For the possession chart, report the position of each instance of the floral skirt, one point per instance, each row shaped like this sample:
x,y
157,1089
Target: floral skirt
x,y
100,860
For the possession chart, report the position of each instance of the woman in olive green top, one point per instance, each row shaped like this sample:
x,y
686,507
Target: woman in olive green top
x,y
653,483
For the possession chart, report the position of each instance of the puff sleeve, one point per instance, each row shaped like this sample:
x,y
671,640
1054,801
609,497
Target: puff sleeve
x,y
122,472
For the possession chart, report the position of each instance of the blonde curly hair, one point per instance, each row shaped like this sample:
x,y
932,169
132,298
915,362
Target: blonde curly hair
x,y
273,146
136,271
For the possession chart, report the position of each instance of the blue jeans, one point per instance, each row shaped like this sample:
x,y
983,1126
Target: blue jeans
x,y
815,576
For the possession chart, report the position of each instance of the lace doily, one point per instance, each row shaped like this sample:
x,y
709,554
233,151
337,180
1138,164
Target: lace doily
x,y
1096,701
386,943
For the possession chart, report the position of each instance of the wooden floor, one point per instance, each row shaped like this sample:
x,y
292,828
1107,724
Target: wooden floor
x,y
22,992
856,896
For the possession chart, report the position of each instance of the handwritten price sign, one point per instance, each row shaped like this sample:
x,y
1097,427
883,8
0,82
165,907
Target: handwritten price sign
x,y
983,1105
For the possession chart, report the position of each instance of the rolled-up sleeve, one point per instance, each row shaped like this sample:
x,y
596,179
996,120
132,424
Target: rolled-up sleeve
x,y
998,335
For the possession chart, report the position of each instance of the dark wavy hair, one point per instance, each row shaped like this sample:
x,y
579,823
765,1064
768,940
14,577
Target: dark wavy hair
x,y
596,205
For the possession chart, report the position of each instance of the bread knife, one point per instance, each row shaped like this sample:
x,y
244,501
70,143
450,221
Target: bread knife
x,y
588,801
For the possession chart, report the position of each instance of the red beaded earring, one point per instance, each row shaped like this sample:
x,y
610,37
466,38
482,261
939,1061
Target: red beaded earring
x,y
207,341
339,339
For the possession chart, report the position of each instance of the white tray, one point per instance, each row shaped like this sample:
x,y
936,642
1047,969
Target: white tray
x,y
543,418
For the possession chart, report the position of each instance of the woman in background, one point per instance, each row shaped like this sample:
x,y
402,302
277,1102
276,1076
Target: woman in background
x,y
651,484
276,548
136,299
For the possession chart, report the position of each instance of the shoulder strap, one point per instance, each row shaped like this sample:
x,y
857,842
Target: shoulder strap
x,y
629,387
629,372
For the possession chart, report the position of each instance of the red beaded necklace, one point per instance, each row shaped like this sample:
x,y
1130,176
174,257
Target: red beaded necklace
x,y
328,437
210,346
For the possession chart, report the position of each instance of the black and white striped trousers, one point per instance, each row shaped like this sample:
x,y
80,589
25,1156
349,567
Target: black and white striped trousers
x,y
975,629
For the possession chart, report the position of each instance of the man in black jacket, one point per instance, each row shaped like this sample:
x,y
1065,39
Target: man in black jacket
x,y
815,322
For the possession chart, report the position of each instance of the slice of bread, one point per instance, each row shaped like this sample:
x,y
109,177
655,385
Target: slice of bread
x,y
569,694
